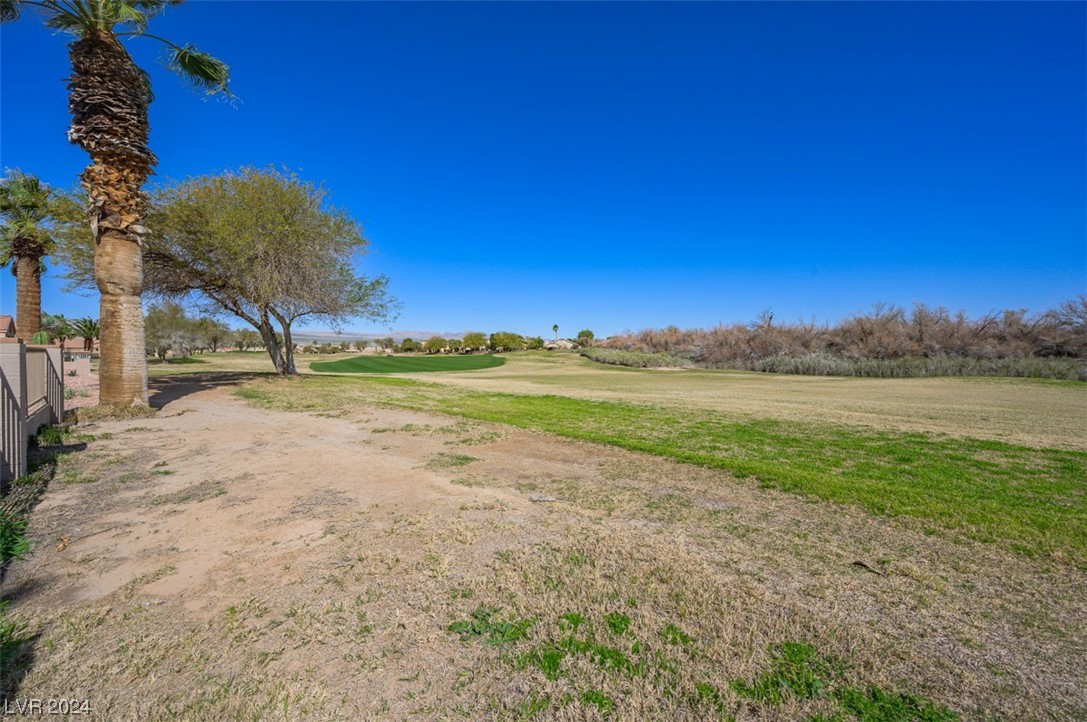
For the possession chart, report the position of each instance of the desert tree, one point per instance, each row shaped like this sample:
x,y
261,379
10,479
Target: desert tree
x,y
246,338
169,328
434,344
25,240
266,247
259,244
506,341
108,98
473,341
212,334
1071,318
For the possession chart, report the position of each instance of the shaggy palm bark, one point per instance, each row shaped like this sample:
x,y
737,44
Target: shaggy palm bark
x,y
28,297
108,99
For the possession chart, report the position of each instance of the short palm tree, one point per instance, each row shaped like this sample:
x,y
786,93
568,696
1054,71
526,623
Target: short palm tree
x,y
25,241
108,97
56,327
61,330
88,330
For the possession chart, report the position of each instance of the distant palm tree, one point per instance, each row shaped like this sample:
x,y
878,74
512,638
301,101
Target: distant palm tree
x,y
555,328
57,327
25,241
88,330
108,96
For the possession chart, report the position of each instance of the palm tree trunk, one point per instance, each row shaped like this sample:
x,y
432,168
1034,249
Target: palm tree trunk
x,y
108,98
118,271
28,297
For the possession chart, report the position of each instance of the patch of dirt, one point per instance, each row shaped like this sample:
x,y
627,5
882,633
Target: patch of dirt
x,y
222,560
84,391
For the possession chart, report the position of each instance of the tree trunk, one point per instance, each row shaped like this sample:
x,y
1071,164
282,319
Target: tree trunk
x,y
288,349
118,271
28,297
108,98
288,344
271,344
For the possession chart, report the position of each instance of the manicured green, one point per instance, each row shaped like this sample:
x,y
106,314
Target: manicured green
x,y
1033,500
408,364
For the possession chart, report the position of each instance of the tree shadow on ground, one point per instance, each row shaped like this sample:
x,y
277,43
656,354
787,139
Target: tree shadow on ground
x,y
17,500
16,659
18,497
166,389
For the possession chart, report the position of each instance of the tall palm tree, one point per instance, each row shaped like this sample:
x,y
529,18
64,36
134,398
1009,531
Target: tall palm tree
x,y
108,97
555,328
25,241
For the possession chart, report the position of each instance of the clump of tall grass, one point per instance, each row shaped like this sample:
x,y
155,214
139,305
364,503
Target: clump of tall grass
x,y
825,364
635,359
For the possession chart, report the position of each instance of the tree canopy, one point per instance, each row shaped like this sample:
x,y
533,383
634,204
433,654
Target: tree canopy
x,y
25,240
506,341
474,340
260,244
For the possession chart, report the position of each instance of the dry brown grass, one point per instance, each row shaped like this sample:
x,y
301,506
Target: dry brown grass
x,y
90,414
305,567
1021,411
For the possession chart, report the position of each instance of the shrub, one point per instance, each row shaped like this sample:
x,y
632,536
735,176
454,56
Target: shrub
x,y
636,359
13,541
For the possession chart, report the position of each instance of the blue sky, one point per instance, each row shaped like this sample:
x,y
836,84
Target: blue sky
x,y
622,165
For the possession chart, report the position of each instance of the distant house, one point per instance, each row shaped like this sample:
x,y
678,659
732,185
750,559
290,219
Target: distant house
x,y
75,346
7,327
561,344
77,360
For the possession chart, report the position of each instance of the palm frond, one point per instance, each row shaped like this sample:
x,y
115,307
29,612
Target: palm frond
x,y
6,255
69,15
201,69
121,12
151,8
23,195
78,16
9,10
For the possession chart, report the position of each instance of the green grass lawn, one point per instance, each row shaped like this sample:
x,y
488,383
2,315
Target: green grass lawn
x,y
1033,500
407,364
